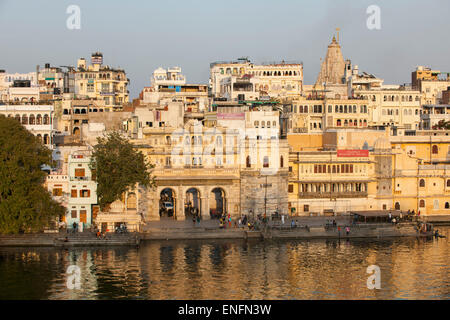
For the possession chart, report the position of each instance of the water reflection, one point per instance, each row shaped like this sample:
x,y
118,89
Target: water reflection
x,y
410,269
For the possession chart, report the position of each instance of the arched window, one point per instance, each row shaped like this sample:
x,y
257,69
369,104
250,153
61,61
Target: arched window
x,y
24,119
448,183
248,163
131,201
38,119
447,205
46,119
422,183
435,149
281,162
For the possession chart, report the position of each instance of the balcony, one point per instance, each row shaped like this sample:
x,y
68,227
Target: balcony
x,y
107,93
80,178
333,195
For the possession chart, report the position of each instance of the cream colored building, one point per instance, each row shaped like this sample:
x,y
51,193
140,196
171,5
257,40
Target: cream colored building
x,y
101,82
430,83
422,173
334,173
169,86
276,80
194,168
315,116
400,108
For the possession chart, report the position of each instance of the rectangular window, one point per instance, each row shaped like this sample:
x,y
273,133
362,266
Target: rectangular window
x,y
291,188
57,192
105,87
266,162
306,208
73,193
79,172
85,193
436,204
73,214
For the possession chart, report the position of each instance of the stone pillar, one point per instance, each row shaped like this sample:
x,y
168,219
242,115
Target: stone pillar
x,y
180,205
204,205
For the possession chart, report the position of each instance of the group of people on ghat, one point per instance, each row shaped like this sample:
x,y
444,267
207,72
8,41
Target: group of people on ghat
x,y
225,221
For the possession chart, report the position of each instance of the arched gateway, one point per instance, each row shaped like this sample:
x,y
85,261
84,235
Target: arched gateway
x,y
192,205
167,203
217,203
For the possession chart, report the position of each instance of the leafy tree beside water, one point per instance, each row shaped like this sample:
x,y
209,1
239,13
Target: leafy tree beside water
x,y
25,205
118,167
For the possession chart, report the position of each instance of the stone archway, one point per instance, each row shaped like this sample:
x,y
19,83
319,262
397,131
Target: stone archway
x,y
167,203
217,203
192,203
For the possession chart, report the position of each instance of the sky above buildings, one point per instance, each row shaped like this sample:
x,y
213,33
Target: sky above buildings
x,y
141,36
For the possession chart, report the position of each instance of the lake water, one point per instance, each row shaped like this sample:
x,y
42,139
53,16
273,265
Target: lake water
x,y
410,269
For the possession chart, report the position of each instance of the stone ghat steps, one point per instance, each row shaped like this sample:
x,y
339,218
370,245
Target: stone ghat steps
x,y
365,232
197,233
79,239
89,243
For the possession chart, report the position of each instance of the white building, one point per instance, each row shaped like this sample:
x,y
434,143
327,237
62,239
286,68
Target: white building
x,y
276,80
38,119
170,86
433,114
82,190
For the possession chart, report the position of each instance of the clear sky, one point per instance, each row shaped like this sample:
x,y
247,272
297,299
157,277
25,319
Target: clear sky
x,y
140,36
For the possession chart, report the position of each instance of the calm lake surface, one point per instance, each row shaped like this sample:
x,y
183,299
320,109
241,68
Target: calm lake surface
x,y
410,269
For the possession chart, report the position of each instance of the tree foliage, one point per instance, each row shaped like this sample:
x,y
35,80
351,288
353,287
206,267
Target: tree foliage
x,y
442,125
118,166
25,205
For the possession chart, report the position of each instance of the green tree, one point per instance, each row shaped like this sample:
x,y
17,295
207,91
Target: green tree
x,y
118,166
25,205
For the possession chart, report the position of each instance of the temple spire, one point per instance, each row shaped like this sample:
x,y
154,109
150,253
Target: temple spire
x,y
333,66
